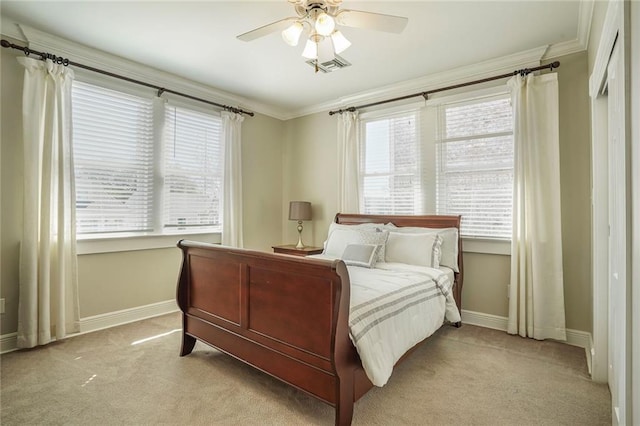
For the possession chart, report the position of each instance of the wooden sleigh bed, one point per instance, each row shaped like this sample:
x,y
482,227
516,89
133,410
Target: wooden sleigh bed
x,y
287,316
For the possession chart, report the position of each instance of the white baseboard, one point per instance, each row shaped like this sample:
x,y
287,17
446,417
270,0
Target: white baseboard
x,y
590,351
578,338
484,320
8,342
112,319
125,316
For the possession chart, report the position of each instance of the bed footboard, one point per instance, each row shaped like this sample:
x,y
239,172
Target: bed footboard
x,y
285,315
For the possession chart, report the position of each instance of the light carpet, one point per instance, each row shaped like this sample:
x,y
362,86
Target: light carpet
x,y
132,375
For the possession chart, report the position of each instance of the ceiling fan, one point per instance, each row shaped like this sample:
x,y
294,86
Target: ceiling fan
x,y
319,19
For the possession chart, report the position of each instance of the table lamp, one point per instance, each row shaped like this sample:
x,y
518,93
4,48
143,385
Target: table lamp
x,y
299,210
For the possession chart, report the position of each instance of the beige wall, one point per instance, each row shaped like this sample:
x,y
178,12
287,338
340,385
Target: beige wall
x,y
10,195
110,282
575,187
310,173
262,174
115,281
310,158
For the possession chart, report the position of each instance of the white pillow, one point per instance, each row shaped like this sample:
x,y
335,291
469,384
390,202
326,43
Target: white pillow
x,y
414,249
333,226
371,226
449,248
360,255
342,235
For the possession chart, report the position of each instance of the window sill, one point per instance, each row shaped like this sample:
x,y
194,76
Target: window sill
x,y
133,242
486,246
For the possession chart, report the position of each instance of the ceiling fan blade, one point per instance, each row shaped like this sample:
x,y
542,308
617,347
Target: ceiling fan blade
x,y
280,25
372,21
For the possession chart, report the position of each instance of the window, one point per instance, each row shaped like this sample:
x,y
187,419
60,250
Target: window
x,y
390,179
113,156
192,169
474,167
460,162
131,178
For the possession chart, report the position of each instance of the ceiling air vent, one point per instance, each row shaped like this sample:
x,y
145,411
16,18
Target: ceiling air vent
x,y
332,65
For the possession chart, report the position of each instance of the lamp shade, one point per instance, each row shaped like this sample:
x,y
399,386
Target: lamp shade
x,y
299,210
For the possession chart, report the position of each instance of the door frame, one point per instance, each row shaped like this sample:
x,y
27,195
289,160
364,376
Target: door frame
x,y
600,193
634,75
615,31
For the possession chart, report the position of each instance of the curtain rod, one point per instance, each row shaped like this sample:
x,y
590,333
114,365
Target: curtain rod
x,y
66,62
426,94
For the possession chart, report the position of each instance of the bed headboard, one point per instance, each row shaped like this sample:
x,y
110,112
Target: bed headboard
x,y
424,221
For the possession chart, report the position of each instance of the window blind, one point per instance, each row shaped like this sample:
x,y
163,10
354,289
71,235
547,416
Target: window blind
x,y
113,155
193,169
389,165
474,170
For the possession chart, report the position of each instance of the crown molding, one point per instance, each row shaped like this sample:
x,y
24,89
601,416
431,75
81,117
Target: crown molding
x,y
581,43
8,28
502,65
86,55
564,48
585,19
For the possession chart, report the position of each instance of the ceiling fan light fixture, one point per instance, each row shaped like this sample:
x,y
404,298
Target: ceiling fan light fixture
x,y
291,35
325,24
310,49
340,42
318,20
326,51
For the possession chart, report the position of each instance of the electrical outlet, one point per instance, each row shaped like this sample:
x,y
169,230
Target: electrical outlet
x,y
2,306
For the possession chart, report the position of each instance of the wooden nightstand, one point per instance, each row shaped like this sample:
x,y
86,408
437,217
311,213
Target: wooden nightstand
x,y
291,249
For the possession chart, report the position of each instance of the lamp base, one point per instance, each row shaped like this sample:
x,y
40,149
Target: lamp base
x,y
300,245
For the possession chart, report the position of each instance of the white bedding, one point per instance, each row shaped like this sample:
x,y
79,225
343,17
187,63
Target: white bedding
x,y
393,307
447,271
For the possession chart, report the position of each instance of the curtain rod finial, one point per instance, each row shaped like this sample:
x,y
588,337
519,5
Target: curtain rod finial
x,y
5,43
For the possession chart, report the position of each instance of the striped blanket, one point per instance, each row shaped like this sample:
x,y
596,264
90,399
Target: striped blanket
x,y
393,309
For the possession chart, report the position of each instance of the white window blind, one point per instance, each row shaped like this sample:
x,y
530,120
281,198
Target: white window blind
x,y
113,155
389,165
193,170
474,169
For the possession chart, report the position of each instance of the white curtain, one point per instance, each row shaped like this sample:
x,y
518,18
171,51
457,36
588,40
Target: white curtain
x,y
48,301
348,163
536,299
232,187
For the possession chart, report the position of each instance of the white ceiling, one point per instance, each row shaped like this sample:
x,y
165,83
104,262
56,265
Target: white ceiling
x,y
197,40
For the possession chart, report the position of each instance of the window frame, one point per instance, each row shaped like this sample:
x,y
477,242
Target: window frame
x,y
132,241
428,122
439,138
389,113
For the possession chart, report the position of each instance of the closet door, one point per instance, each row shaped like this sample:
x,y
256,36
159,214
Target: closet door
x,y
618,238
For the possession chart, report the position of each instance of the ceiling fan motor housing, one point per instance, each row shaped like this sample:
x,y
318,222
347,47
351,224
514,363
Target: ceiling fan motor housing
x,y
312,8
